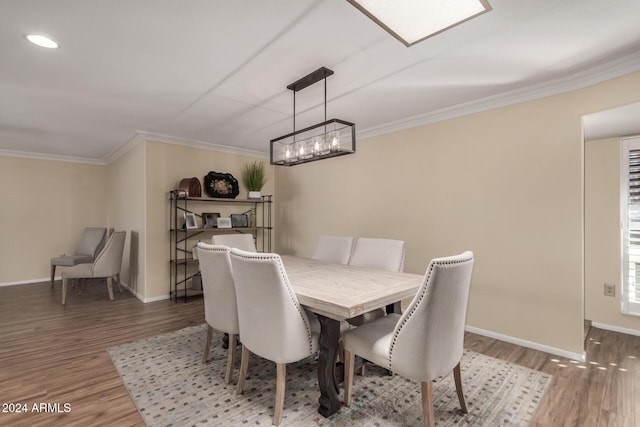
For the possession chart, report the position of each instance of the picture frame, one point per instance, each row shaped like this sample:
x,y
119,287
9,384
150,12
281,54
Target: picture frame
x,y
210,219
239,220
190,220
224,222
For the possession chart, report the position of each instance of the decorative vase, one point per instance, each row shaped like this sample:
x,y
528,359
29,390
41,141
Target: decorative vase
x,y
254,195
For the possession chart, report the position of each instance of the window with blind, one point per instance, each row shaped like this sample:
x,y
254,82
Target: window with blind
x,y
630,221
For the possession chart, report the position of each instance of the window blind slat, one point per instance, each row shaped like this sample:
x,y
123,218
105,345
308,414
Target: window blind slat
x,y
631,220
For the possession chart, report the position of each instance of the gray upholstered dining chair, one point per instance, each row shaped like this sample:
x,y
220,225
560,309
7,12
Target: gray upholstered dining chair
x,y
383,254
220,308
242,241
89,245
106,265
424,343
273,324
336,249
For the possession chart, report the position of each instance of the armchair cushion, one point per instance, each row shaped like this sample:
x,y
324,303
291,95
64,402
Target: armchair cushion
x,y
372,340
69,260
79,271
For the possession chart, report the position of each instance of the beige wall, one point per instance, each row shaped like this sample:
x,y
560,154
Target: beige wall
x,y
602,234
506,183
166,165
126,193
44,207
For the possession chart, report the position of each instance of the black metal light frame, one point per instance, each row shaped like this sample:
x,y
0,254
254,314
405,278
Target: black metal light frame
x,y
342,127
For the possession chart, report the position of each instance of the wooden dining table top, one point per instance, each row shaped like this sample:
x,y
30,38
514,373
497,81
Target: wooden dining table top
x,y
342,291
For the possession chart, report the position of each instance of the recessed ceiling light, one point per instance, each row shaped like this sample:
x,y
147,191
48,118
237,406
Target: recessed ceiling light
x,y
411,21
42,41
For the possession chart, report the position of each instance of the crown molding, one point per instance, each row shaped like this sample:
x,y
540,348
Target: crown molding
x,y
612,69
141,136
39,156
619,67
124,148
138,137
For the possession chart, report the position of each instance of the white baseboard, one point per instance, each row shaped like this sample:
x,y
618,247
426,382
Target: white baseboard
x,y
158,298
27,282
124,285
140,297
613,328
529,344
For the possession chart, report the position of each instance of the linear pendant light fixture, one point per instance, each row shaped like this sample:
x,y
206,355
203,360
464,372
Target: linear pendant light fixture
x,y
412,21
330,138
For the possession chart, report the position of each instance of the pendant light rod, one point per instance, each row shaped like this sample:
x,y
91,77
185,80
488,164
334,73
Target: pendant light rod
x,y
325,105
306,81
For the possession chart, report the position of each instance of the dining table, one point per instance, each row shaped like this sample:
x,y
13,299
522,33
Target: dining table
x,y
337,292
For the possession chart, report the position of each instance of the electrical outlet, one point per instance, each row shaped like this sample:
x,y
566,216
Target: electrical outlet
x,y
609,290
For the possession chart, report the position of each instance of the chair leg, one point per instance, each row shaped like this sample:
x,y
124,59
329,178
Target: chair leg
x,y
458,380
208,344
118,280
110,287
281,374
427,404
231,356
349,367
244,365
64,289
53,274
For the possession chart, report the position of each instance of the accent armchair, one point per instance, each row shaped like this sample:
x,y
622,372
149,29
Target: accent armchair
x,y
89,245
106,265
424,343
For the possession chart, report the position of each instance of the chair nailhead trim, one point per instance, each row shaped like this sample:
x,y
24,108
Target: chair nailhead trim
x,y
432,265
294,299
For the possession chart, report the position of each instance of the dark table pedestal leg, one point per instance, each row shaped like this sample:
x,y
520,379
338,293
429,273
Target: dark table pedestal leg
x,y
225,341
394,308
329,339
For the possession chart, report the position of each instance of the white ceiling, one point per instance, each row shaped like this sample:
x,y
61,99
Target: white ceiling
x,y
216,71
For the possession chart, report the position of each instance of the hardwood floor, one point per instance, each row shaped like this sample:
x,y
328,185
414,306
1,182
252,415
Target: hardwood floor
x,y
603,391
53,354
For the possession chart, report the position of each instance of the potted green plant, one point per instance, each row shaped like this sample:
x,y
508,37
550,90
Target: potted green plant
x,y
253,175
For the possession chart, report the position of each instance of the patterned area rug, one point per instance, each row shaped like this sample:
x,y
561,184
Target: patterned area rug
x,y
171,386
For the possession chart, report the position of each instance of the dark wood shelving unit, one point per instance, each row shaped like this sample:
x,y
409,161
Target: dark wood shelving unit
x,y
183,267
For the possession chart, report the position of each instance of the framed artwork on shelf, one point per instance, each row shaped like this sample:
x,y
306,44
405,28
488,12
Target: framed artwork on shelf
x,y
210,219
224,222
239,220
190,220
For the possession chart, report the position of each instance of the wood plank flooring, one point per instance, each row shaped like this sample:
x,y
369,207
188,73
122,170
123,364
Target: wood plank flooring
x,y
53,354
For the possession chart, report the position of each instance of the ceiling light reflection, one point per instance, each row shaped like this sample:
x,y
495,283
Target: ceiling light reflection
x,y
42,41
